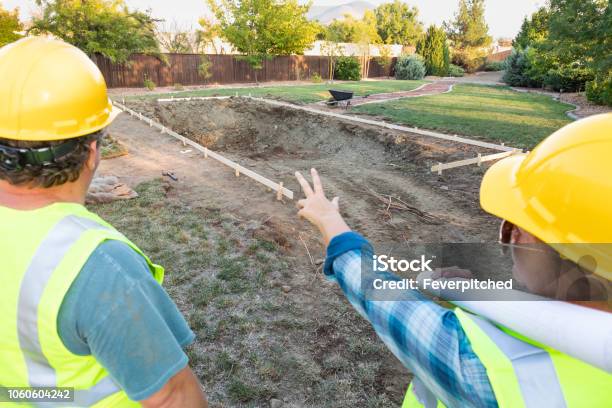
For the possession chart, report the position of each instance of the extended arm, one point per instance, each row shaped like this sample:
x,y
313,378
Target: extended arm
x,y
424,336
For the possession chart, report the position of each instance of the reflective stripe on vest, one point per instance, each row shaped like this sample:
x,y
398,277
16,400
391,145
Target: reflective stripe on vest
x,y
526,375
47,257
418,395
532,365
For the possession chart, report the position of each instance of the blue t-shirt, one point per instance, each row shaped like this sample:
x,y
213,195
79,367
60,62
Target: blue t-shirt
x,y
116,311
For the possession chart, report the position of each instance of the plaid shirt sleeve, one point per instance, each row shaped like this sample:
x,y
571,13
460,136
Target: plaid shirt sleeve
x,y
427,338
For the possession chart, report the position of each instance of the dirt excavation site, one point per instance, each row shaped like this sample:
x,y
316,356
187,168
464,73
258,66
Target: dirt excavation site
x,y
271,331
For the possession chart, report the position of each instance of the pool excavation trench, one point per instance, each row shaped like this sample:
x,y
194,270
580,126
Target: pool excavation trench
x,y
382,175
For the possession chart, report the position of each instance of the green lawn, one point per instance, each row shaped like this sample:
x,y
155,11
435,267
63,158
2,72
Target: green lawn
x,y
493,113
301,93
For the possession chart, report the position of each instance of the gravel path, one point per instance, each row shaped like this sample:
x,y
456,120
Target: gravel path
x,y
432,88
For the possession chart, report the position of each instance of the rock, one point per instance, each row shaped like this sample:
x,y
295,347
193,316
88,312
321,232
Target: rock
x,y
319,261
286,288
276,403
107,189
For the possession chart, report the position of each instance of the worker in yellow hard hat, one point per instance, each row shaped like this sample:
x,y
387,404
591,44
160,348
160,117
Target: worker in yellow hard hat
x,y
83,308
555,204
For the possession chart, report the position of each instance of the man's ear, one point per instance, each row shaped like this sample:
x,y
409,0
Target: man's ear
x,y
94,155
520,236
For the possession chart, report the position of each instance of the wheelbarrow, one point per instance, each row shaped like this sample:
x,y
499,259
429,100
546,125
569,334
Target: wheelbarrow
x,y
340,98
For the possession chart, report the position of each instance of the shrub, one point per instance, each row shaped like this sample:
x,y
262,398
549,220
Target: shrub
x,y
518,67
495,66
316,78
150,85
204,67
410,67
532,68
347,68
455,71
568,78
470,59
599,90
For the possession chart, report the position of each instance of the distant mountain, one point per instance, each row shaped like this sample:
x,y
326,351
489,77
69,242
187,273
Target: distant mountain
x,y
326,14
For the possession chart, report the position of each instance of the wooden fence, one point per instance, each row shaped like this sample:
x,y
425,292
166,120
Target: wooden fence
x,y
499,56
225,69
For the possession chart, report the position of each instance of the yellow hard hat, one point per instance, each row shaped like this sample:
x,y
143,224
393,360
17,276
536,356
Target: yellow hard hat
x,y
561,192
50,90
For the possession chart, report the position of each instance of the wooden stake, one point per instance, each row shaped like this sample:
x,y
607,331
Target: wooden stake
x,y
479,163
279,192
238,169
476,160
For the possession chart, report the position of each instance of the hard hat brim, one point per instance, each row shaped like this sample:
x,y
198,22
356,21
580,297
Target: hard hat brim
x,y
113,115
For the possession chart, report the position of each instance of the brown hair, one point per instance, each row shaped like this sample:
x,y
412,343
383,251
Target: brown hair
x,y
64,169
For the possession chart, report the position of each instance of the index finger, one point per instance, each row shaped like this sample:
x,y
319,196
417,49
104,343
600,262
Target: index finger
x,y
305,186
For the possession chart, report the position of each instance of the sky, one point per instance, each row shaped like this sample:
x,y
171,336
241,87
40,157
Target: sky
x,y
504,17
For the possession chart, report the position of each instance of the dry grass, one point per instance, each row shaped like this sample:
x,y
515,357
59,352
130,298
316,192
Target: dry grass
x,y
255,342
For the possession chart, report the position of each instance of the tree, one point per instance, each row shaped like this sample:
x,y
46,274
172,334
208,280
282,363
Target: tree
x,y
104,27
534,30
581,30
362,32
9,26
567,46
204,67
206,36
262,28
343,30
385,59
397,23
365,35
434,50
580,43
176,40
469,34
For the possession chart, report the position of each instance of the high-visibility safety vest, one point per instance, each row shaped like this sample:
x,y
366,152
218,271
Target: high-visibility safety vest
x,y
41,253
524,373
